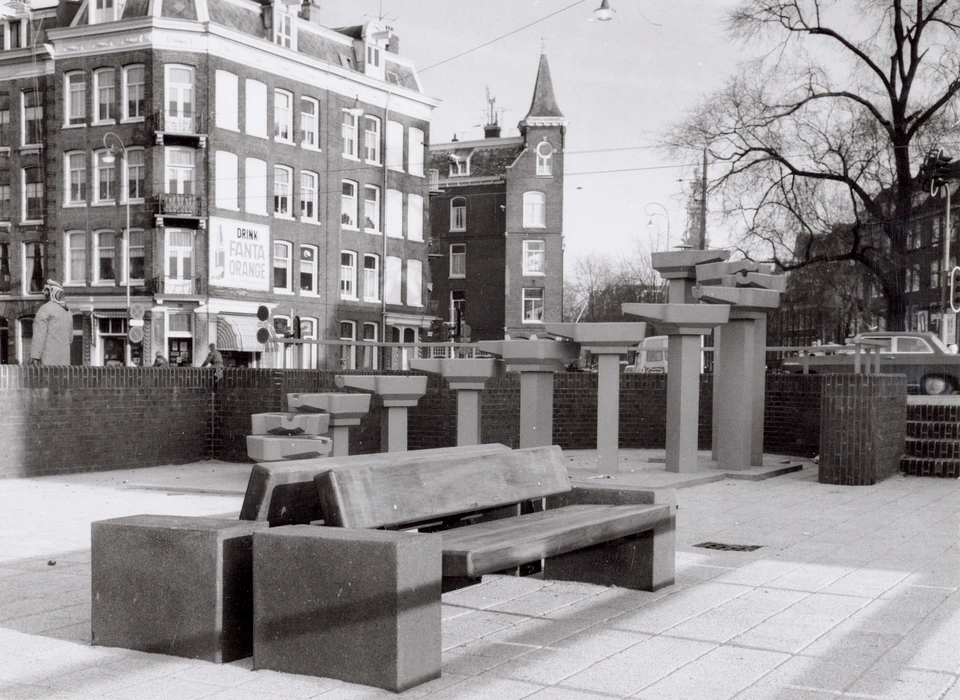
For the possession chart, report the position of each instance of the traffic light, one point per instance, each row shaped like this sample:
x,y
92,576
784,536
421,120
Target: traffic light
x,y
936,170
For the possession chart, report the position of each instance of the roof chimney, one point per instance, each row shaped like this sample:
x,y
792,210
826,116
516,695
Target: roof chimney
x,y
491,131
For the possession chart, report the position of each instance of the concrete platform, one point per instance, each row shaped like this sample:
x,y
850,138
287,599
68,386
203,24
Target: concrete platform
x,y
854,592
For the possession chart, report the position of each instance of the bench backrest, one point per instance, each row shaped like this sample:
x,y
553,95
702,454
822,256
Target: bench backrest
x,y
283,493
385,495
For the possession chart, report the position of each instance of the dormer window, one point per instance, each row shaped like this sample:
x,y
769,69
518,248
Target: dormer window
x,y
370,49
284,33
373,56
103,11
13,35
460,162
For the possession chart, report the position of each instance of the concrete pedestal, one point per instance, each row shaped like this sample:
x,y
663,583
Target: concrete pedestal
x,y
536,409
467,377
396,394
683,402
345,411
173,585
734,380
362,606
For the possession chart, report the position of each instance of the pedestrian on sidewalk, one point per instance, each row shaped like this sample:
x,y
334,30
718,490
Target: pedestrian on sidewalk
x,y
52,328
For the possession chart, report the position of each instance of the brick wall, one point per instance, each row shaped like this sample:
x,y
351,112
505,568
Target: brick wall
x,y
67,419
863,422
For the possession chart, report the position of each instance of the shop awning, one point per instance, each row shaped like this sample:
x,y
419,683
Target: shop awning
x,y
238,333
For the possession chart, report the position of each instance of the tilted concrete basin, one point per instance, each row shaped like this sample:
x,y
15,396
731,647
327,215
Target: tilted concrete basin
x,y
533,355
462,374
742,298
392,390
597,337
681,319
682,264
341,407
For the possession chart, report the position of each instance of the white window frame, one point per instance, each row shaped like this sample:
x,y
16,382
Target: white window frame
x,y
184,186
309,196
128,84
371,277
371,138
141,167
371,354
227,100
458,214
255,186
142,246
458,260
458,297
348,353
348,275
283,116
393,210
283,191
284,27
185,119
98,167
179,256
15,28
98,278
544,159
310,124
393,280
530,254
349,134
533,294
282,259
226,193
414,217
26,264
371,207
255,106
534,209
308,263
71,171
74,114
345,200
414,282
102,11
70,247
99,103
24,119
394,154
24,194
415,151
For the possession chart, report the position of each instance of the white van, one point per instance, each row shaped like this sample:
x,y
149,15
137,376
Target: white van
x,y
651,356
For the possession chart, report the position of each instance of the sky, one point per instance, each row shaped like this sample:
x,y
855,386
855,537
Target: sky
x,y
620,84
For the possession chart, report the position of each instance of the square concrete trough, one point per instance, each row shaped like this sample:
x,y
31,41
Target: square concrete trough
x,y
271,448
290,424
174,585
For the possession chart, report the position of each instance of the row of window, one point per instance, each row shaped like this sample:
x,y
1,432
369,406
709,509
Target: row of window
x,y
31,195
106,188
131,108
534,259
534,211
393,211
392,281
303,127
460,161
31,118
532,300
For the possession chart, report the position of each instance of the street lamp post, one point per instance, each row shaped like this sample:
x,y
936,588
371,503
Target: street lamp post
x,y
665,215
118,148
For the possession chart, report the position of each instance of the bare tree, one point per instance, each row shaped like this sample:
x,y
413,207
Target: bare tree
x,y
824,134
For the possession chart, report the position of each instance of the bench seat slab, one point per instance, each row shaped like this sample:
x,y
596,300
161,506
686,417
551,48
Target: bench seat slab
x,y
496,545
362,606
173,585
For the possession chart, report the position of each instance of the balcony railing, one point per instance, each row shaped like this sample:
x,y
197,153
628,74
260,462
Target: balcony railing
x,y
186,125
170,286
190,205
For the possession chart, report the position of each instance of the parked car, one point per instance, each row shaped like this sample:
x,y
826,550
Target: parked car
x,y
931,367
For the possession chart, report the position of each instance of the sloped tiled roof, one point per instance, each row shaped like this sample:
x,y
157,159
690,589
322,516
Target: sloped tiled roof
x,y
489,158
234,17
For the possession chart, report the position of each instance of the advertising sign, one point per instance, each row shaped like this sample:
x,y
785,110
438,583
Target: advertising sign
x,y
239,254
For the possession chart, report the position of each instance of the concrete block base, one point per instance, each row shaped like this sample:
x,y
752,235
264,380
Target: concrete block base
x,y
362,606
173,585
272,448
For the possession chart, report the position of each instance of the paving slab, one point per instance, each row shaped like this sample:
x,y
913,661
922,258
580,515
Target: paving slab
x,y
853,590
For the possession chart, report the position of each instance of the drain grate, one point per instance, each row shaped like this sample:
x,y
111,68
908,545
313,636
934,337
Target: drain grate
x,y
729,547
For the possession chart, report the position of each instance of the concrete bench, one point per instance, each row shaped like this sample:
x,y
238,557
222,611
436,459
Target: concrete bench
x,y
283,493
359,599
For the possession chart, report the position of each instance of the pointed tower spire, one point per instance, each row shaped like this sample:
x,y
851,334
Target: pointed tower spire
x,y
543,107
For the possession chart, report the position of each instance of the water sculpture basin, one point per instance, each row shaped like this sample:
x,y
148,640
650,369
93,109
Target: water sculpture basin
x,y
340,406
682,264
681,319
742,298
599,336
533,355
393,390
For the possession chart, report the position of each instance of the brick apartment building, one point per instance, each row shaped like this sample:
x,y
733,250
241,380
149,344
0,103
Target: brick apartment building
x,y
496,217
262,159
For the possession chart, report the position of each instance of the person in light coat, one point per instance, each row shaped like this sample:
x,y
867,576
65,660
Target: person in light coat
x,y
52,328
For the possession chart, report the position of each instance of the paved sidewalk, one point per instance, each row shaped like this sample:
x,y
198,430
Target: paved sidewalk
x,y
854,593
